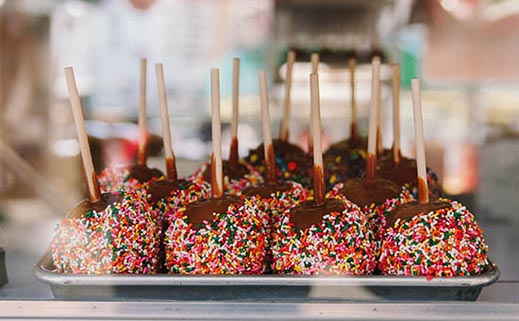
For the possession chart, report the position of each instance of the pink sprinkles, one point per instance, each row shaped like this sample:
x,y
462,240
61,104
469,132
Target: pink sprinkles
x,y
341,243
194,190
280,201
115,178
124,238
232,243
444,243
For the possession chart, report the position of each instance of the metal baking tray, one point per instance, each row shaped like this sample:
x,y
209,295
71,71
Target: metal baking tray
x,y
267,287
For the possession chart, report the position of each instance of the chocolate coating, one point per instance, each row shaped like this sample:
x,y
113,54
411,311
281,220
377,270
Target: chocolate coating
x,y
233,172
292,163
143,173
300,165
346,145
86,206
162,189
266,190
281,149
200,211
411,209
155,145
309,213
402,173
344,165
364,192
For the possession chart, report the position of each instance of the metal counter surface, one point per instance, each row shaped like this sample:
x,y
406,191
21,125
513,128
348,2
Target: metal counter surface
x,y
59,310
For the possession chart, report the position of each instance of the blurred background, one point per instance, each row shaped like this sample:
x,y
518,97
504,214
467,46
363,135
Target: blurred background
x,y
465,52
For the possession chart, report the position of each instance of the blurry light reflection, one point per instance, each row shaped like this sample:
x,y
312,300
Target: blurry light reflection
x,y
66,147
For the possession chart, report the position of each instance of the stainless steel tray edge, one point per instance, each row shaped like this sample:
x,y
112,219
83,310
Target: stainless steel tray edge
x,y
51,277
266,287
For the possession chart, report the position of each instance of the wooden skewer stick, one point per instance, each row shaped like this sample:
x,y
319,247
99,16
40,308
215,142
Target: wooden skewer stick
x,y
314,58
171,168
284,131
315,68
354,134
423,189
143,130
270,162
94,194
380,143
233,154
371,162
216,157
396,114
319,184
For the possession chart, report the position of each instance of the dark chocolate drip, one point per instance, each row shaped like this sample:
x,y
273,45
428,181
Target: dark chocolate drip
x,y
141,152
266,190
423,193
365,192
411,209
401,173
371,165
162,189
141,158
216,189
94,194
233,172
398,154
309,213
200,211
143,173
319,186
171,169
233,154
310,146
86,206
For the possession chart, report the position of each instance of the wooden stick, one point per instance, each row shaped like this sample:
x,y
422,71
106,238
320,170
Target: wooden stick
x,y
171,168
216,158
396,114
423,189
284,131
143,130
233,154
373,117
315,68
314,58
319,185
354,134
268,148
93,192
380,143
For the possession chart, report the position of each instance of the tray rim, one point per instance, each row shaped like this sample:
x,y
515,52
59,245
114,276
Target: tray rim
x,y
65,279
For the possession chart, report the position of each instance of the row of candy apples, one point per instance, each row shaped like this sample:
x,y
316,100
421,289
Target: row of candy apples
x,y
274,211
